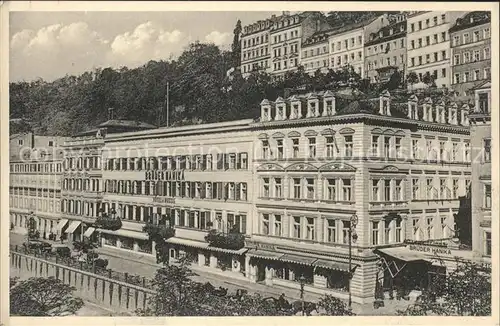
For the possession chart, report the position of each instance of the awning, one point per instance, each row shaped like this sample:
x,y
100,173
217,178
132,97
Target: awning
x,y
404,254
228,251
72,226
188,243
62,223
89,232
298,259
264,254
335,265
126,233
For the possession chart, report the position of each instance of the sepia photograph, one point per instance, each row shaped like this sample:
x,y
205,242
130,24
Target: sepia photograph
x,y
224,162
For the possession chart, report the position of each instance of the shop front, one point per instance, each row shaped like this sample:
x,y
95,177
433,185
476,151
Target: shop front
x,y
203,255
415,268
318,274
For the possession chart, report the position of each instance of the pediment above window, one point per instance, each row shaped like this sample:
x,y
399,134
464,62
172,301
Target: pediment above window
x,y
337,167
270,167
301,167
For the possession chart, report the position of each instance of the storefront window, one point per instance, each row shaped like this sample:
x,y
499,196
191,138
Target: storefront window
x,y
337,280
145,246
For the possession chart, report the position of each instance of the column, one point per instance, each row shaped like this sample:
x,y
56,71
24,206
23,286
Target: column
x,y
134,212
213,260
269,275
247,267
201,259
136,246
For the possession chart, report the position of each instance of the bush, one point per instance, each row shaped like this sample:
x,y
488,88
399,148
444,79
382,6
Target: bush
x,y
101,263
232,240
63,252
107,223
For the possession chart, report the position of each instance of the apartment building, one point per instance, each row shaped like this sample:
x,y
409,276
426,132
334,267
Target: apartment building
x,y
35,182
428,44
316,166
347,43
481,191
200,176
385,52
82,185
255,47
470,52
287,34
315,53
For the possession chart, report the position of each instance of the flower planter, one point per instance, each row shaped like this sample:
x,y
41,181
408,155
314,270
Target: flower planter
x,y
108,223
232,240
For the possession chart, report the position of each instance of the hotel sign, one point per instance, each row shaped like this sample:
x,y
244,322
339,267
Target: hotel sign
x,y
158,175
431,250
163,200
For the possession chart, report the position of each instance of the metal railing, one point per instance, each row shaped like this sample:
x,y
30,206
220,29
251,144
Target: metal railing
x,y
73,262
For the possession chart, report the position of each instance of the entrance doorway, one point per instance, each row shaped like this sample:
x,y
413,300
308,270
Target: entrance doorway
x,y
261,272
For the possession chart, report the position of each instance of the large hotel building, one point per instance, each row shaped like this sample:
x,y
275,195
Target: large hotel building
x,y
291,182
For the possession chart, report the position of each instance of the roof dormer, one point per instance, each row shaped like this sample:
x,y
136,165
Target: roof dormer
x,y
413,107
265,110
385,103
280,105
295,107
440,117
427,109
329,104
312,105
453,114
464,115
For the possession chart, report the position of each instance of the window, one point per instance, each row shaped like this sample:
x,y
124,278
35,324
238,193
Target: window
x,y
412,27
398,147
387,146
296,227
454,152
310,235
265,224
487,196
387,231
487,150
430,227
456,40
475,36
375,233
443,36
346,225
484,103
443,18
310,188
486,53
387,190
265,187
477,56
486,33
277,225
312,147
427,40
331,189
348,145
295,147
331,231
454,193
466,38
456,78
477,75
329,147
419,25
487,243
20,142
412,43
375,149
443,55
412,62
265,149
467,152
297,188
415,189
466,57
398,190
487,73
375,190
279,145
51,143
443,189
429,188
278,193
347,189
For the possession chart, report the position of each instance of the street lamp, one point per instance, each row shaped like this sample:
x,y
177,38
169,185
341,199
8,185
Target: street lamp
x,y
353,221
302,281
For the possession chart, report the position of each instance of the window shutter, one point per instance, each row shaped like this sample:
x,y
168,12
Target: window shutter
x,y
220,158
237,191
203,187
219,190
193,189
238,162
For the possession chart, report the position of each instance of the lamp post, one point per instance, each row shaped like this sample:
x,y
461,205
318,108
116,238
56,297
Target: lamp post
x,y
353,221
302,281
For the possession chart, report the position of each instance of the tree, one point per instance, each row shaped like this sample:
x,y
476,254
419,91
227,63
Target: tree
x,y
40,296
428,79
466,291
158,232
394,82
412,78
236,46
334,306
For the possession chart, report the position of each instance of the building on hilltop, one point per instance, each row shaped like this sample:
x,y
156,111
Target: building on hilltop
x,y
385,52
470,40
428,44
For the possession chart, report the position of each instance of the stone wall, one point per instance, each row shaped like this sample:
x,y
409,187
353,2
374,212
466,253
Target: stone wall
x,y
108,293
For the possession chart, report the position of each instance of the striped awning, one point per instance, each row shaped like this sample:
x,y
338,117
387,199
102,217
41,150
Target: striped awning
x,y
228,251
264,254
188,242
72,226
89,232
126,233
335,265
308,261
62,223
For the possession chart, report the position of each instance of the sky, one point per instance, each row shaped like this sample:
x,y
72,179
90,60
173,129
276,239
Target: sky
x,y
50,45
